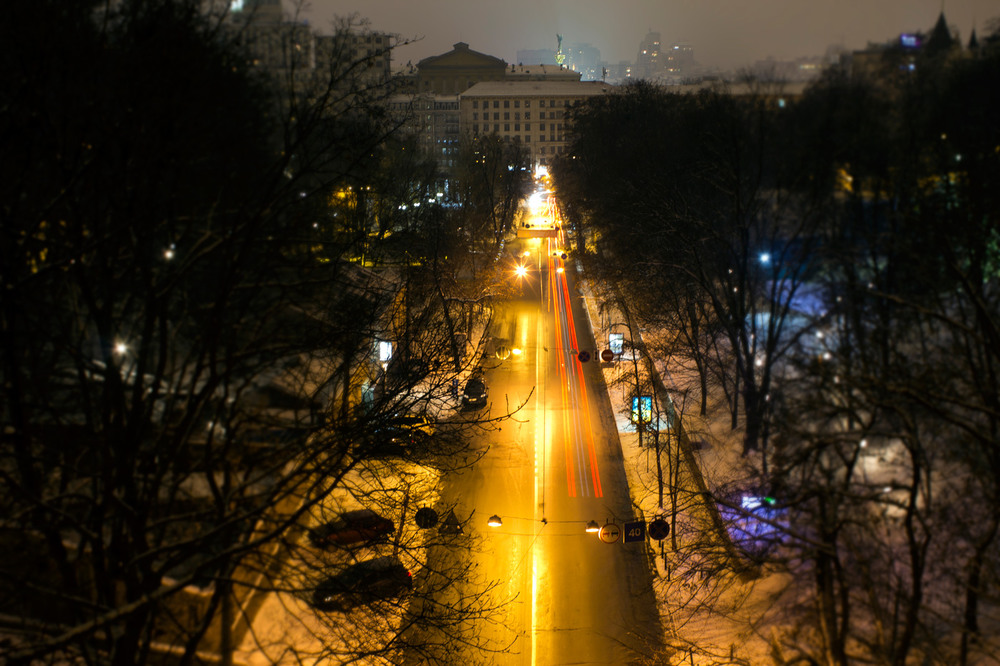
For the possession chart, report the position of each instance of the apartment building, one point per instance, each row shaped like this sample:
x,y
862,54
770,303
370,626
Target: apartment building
x,y
534,113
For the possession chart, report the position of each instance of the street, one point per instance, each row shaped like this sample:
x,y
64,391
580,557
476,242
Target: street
x,y
555,466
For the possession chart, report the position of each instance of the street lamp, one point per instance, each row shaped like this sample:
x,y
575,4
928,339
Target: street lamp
x,y
496,521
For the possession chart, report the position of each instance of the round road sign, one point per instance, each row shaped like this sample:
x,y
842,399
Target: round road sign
x,y
426,517
610,533
607,356
584,356
659,529
503,352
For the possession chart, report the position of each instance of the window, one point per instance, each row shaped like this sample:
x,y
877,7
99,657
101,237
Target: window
x,y
506,127
496,128
517,115
496,115
517,127
475,104
527,138
496,104
527,103
475,128
527,115
527,127
517,104
506,115
542,127
541,103
506,104
475,116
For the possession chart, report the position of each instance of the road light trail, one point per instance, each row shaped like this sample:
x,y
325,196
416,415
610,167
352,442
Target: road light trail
x,y
563,383
581,457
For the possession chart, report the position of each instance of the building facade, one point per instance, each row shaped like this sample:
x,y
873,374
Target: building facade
x,y
532,113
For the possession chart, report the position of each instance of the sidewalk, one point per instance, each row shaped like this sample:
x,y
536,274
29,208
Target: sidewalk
x,y
690,590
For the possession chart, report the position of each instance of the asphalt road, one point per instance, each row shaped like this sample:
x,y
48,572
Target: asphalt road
x,y
563,596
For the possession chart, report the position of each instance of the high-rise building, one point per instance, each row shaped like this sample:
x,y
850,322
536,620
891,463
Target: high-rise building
x,y
585,59
679,59
649,62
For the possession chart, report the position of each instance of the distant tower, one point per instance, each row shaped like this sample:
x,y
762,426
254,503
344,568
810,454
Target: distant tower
x,y
649,62
560,56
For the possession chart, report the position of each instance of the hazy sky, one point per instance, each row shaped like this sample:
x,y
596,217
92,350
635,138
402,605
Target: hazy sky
x,y
724,33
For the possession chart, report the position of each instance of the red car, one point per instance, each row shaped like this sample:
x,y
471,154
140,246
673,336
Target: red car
x,y
361,526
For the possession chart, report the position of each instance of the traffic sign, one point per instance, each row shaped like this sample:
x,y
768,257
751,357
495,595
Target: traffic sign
x,y
503,352
450,524
607,356
584,356
635,531
659,529
610,533
426,517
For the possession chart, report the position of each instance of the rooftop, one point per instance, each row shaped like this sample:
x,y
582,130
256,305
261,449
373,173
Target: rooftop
x,y
538,88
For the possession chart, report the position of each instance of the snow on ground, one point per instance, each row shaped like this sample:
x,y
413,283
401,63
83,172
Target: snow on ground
x,y
712,611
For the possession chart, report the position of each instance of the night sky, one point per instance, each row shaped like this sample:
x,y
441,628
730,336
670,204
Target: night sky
x,y
725,34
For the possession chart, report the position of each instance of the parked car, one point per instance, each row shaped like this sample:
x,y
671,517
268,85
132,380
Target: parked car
x,y
361,526
418,424
363,583
476,392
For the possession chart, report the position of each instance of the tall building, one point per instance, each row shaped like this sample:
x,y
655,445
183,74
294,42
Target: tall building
x,y
585,59
649,62
680,60
286,47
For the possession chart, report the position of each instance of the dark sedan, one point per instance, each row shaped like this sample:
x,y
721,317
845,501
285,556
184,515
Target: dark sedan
x,y
362,584
476,392
361,526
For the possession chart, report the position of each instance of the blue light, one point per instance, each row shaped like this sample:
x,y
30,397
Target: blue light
x,y
765,257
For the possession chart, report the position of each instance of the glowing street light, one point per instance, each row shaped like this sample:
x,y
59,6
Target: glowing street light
x,y
521,270
496,521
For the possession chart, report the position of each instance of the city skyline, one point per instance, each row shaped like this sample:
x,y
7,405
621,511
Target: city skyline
x,y
725,34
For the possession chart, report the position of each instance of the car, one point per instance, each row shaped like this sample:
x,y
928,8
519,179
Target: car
x,y
362,584
361,526
476,392
418,424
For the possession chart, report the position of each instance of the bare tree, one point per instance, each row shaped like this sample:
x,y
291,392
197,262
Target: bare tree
x,y
188,329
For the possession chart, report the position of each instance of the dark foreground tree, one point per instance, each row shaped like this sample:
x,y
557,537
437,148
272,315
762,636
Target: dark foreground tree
x,y
188,333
